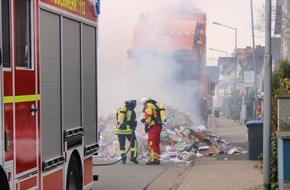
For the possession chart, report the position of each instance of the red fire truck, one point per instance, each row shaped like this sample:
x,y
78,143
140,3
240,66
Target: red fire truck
x,y
48,104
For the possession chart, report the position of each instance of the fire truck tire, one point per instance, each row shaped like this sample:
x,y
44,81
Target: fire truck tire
x,y
4,185
74,175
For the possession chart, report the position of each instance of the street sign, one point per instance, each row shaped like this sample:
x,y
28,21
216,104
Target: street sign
x,y
249,77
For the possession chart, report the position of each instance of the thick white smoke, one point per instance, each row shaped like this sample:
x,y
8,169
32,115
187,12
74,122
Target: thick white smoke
x,y
120,79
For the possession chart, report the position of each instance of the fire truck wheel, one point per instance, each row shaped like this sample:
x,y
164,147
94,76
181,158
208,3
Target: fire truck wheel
x,y
3,180
74,179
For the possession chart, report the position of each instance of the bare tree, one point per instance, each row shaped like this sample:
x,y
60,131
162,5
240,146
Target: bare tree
x,y
260,19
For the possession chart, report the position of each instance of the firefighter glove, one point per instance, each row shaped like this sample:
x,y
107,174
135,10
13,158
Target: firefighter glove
x,y
163,123
123,126
146,128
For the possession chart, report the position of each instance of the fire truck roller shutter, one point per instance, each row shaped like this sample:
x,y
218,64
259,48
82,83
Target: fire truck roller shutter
x,y
89,84
50,85
71,74
72,100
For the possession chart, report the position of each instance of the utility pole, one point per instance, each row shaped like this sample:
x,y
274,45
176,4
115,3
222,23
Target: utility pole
x,y
267,100
254,63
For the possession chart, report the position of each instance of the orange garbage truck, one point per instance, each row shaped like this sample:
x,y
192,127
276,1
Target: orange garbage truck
x,y
177,32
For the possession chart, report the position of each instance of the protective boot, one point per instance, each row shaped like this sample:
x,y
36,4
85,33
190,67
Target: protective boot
x,y
123,158
134,160
153,163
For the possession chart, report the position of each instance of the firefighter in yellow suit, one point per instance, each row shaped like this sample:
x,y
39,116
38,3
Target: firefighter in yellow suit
x,y
153,127
125,129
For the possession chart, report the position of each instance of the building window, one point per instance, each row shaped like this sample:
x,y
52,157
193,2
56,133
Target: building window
x,y
23,34
5,33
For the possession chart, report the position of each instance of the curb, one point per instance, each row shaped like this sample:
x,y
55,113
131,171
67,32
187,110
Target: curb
x,y
183,175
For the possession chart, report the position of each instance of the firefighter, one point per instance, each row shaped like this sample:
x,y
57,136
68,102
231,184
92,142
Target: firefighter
x,y
125,129
203,110
153,130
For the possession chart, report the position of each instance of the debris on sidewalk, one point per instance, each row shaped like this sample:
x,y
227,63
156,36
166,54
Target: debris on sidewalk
x,y
181,139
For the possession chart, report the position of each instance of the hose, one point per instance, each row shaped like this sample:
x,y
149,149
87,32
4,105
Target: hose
x,y
131,142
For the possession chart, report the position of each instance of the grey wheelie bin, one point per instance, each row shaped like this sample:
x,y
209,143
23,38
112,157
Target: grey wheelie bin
x,y
216,112
255,139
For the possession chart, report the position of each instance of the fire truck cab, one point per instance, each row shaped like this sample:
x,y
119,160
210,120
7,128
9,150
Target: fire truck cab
x,y
48,93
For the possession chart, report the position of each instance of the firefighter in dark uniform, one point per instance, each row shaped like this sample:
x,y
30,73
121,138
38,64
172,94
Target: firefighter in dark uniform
x,y
125,129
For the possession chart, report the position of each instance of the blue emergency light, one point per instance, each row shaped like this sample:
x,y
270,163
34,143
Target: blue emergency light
x,y
97,8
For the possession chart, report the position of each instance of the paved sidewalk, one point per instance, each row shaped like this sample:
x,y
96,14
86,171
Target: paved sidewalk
x,y
225,172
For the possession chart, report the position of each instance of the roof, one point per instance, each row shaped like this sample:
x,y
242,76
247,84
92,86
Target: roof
x,y
223,62
212,72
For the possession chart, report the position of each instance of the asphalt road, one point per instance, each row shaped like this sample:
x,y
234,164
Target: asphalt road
x,y
220,172
137,177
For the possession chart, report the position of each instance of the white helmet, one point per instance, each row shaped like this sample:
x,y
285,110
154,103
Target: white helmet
x,y
148,99
145,99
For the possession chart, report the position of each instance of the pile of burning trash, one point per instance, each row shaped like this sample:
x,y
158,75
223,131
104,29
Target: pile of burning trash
x,y
181,139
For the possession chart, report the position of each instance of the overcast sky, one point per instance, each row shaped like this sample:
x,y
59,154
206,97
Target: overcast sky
x,y
116,26
233,13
